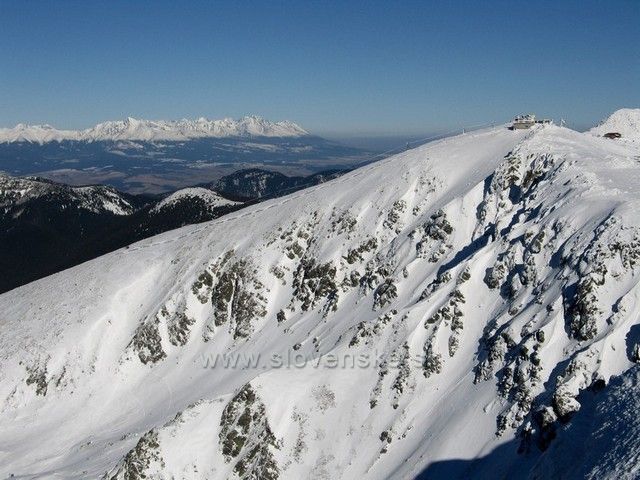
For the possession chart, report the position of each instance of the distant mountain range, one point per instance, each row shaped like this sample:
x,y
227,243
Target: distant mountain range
x,y
145,156
46,226
154,130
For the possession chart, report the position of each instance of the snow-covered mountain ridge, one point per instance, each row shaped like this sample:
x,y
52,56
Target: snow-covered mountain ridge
x,y
46,226
154,130
15,191
495,275
210,198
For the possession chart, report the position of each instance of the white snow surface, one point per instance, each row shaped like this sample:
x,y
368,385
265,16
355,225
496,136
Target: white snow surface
x,y
603,441
492,273
155,130
625,121
211,198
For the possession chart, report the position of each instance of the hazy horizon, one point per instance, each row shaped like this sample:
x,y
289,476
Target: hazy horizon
x,y
340,69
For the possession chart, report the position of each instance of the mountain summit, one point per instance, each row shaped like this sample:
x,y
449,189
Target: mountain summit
x,y
449,305
625,121
150,130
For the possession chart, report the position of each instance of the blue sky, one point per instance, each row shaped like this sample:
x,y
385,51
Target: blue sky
x,y
338,68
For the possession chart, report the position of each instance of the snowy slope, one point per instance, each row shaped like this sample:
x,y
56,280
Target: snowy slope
x,y
154,130
603,440
488,277
625,121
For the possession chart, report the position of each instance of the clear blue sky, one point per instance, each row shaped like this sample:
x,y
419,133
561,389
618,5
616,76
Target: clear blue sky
x,y
343,67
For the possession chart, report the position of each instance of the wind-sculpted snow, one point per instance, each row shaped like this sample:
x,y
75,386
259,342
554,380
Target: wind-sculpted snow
x,y
431,306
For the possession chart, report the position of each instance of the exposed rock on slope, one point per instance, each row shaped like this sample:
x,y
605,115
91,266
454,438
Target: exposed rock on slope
x,y
476,285
603,440
61,226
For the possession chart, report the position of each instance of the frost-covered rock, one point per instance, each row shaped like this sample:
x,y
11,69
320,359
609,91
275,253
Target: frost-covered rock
x,y
462,297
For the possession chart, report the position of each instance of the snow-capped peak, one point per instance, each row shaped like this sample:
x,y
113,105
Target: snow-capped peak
x,y
34,134
625,121
151,130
